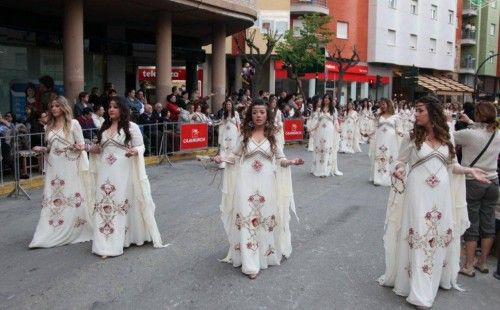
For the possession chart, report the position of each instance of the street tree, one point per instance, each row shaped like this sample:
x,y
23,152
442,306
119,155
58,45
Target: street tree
x,y
343,63
252,54
303,47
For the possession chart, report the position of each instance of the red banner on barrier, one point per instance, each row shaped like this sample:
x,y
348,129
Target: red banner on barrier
x,y
194,136
294,129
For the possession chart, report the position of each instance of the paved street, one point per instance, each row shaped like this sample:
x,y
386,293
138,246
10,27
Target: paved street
x,y
337,256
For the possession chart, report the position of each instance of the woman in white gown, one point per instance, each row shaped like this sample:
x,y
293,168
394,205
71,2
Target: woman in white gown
x,y
350,131
326,141
385,145
65,206
366,122
123,206
257,195
311,123
426,219
278,122
229,129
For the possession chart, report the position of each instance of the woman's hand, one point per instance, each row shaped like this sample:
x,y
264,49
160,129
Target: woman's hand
x,y
479,175
217,159
464,118
399,173
40,149
297,161
131,152
95,149
78,147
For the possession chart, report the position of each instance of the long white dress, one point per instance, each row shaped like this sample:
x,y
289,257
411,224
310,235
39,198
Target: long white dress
x,y
123,207
280,133
366,125
326,145
423,225
256,202
228,135
350,140
384,149
65,211
311,127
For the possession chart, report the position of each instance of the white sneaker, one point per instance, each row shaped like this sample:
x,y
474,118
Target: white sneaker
x,y
338,173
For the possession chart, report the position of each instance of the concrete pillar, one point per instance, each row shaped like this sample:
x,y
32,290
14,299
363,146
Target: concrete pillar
x,y
237,72
272,77
365,90
191,76
207,76
116,64
218,65
73,63
312,87
353,90
163,56
343,98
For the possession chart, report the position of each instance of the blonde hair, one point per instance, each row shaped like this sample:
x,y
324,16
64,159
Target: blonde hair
x,y
390,105
67,114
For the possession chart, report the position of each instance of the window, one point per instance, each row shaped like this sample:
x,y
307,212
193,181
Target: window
x,y
391,37
281,27
494,4
493,29
449,48
451,17
434,12
492,59
297,26
432,48
413,41
267,26
392,3
414,7
342,30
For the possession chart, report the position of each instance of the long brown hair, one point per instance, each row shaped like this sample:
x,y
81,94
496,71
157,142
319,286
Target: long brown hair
x,y
67,114
439,125
390,105
123,121
269,128
485,113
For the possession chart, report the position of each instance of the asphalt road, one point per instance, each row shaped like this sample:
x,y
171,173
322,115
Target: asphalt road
x,y
337,256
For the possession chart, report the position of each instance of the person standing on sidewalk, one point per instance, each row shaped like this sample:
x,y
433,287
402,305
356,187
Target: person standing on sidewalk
x,y
480,147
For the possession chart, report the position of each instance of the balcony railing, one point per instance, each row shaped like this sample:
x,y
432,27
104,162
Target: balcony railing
x,y
469,10
468,66
468,37
309,6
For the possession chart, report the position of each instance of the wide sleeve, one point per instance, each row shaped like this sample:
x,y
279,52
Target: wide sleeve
x,y
404,154
136,138
237,116
77,132
236,152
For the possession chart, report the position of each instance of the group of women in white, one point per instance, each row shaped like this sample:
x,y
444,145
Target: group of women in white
x,y
107,199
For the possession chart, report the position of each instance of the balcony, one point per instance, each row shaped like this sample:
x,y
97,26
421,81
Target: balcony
x,y
469,10
468,66
468,37
301,7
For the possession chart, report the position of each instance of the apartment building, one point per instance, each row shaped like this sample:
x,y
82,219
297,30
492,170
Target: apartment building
x,y
480,40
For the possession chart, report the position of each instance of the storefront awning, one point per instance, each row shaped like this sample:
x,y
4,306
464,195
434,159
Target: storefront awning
x,y
443,85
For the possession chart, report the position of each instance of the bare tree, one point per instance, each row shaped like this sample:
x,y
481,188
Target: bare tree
x,y
254,56
343,63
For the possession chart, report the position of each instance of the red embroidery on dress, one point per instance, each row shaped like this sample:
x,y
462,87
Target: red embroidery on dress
x,y
111,159
431,240
108,209
58,202
79,222
257,165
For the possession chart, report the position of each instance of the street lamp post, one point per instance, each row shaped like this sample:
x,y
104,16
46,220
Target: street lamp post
x,y
474,95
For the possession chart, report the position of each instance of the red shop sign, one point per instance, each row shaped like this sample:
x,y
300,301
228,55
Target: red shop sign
x,y
194,136
294,129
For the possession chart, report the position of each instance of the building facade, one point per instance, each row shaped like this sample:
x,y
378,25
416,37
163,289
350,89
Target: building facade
x,y
84,44
480,39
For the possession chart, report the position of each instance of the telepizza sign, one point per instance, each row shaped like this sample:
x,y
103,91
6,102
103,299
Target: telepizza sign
x,y
194,136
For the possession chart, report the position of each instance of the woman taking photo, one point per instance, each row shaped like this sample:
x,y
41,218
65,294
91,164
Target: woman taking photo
x,y
480,146
123,206
65,207
257,195
426,213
